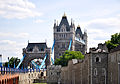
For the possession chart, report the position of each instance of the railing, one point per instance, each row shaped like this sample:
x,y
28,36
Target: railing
x,y
6,70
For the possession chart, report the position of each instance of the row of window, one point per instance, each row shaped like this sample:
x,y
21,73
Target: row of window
x,y
62,35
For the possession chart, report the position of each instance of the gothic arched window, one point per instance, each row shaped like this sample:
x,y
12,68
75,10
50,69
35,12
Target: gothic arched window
x,y
95,72
97,59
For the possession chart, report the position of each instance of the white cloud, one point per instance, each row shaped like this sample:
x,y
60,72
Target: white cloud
x,y
17,9
17,35
38,21
100,30
7,42
10,48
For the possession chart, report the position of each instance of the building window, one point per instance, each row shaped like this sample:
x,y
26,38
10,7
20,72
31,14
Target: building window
x,y
59,54
58,46
30,49
103,71
60,35
42,49
63,45
62,30
97,59
95,72
29,75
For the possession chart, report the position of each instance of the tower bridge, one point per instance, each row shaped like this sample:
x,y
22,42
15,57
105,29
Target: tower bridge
x,y
65,38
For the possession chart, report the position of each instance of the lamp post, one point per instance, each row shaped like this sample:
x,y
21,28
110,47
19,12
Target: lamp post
x,y
8,62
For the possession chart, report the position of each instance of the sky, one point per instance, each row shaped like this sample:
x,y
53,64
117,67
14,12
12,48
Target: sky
x,y
33,20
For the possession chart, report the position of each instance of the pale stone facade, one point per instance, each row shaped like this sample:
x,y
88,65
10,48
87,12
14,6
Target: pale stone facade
x,y
63,33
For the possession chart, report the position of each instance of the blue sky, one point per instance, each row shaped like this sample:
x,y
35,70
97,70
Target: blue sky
x,y
23,20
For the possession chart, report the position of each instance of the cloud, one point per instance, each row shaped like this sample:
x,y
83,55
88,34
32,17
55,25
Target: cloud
x,y
11,48
100,30
17,35
7,42
18,9
38,21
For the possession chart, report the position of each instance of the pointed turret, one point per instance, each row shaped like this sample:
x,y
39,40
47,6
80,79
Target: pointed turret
x,y
78,31
54,23
64,22
64,15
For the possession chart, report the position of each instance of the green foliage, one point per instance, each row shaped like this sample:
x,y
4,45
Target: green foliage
x,y
68,55
11,62
114,42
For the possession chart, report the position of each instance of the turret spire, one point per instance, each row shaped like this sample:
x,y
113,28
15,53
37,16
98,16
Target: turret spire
x,y
64,15
78,26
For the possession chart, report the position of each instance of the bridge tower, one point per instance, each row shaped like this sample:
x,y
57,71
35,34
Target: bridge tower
x,y
63,33
36,51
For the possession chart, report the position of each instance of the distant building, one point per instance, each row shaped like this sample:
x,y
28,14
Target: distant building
x,y
63,33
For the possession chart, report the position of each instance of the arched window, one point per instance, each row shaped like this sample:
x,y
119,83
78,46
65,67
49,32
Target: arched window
x,y
30,49
103,71
95,72
97,59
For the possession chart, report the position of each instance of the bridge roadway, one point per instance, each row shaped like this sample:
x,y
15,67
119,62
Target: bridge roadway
x,y
17,76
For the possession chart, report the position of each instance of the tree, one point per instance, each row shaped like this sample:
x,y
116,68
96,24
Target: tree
x,y
114,42
68,55
11,62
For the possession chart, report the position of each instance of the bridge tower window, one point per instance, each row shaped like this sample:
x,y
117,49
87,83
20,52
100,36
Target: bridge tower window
x,y
42,49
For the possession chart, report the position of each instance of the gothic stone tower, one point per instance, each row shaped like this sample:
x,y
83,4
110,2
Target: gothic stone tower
x,y
63,33
80,40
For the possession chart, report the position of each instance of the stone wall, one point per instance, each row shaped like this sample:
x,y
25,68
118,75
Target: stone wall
x,y
98,69
114,66
28,78
53,73
75,73
91,70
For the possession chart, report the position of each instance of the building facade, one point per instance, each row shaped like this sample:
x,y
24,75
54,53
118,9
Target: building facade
x,y
114,66
91,70
36,51
64,33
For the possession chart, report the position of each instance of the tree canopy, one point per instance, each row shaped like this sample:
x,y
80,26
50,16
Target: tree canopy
x,y
113,42
11,62
68,55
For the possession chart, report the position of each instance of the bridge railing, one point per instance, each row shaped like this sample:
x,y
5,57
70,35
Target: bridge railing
x,y
6,70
